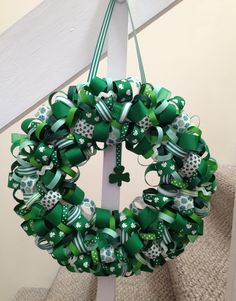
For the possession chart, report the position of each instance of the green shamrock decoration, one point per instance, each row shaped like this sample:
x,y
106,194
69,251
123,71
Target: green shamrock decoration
x,y
118,176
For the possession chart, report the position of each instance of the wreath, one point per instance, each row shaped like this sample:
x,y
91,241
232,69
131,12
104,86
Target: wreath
x,y
65,135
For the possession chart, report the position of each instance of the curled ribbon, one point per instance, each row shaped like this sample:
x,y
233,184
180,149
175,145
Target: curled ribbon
x,y
157,225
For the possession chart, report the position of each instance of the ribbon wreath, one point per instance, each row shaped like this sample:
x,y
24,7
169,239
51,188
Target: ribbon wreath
x,y
158,224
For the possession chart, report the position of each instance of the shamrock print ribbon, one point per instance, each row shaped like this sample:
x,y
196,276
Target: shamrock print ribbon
x,y
159,224
151,123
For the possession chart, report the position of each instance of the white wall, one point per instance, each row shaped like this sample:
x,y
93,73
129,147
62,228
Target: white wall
x,y
190,50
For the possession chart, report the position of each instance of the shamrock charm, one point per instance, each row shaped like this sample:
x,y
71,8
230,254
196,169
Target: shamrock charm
x,y
118,176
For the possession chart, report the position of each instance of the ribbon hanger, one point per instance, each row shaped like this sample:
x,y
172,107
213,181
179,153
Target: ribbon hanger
x,y
118,176
102,37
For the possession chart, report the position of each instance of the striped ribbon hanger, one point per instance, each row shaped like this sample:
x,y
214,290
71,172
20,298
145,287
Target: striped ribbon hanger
x,y
101,40
97,57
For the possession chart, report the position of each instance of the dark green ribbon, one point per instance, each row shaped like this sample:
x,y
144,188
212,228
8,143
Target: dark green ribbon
x,y
64,137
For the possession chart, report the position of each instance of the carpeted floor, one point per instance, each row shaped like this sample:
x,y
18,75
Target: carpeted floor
x,y
200,273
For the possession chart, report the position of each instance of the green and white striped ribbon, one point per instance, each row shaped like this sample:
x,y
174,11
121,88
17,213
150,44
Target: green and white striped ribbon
x,y
176,150
73,215
103,110
29,171
101,40
79,243
66,223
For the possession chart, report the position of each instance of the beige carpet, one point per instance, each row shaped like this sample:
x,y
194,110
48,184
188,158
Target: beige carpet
x,y
31,294
149,287
200,273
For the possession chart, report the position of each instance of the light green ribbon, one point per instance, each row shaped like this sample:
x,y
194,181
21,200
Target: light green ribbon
x,y
81,236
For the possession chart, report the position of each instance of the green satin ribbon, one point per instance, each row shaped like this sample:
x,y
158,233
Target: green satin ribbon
x,y
80,236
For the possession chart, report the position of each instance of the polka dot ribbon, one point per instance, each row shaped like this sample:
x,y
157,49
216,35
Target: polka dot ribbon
x,y
63,136
159,224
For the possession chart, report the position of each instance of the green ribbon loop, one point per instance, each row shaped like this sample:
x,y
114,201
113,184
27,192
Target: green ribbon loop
x,y
49,154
